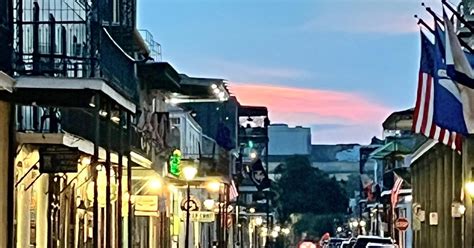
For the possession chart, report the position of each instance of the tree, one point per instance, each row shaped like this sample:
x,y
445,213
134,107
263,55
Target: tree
x,y
316,225
309,193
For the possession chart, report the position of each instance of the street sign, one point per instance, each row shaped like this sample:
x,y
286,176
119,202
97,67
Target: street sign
x,y
194,204
402,224
58,159
202,216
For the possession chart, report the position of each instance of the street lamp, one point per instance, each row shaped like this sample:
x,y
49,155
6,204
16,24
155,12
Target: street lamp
x,y
155,184
209,204
355,223
470,189
258,221
274,234
189,172
285,231
213,186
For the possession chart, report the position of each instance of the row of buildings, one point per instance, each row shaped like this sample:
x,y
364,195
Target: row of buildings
x,y
96,132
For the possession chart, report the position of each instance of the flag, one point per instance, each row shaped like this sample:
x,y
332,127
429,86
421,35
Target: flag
x,y
259,176
433,106
460,71
233,192
459,68
397,186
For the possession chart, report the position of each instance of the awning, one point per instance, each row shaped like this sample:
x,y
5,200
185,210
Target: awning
x,y
201,87
253,111
193,89
159,76
66,91
6,82
389,149
68,140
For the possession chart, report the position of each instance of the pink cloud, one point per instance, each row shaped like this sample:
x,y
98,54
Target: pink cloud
x,y
236,70
311,106
355,118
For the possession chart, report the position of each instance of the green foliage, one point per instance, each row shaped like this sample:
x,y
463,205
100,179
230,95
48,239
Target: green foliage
x,y
302,189
351,185
316,225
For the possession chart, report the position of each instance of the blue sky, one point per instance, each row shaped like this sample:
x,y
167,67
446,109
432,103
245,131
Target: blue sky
x,y
365,51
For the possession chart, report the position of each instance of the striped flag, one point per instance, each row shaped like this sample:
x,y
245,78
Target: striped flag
x,y
233,192
426,117
397,186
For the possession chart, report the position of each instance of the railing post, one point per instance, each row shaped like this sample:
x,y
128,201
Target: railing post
x,y
52,41
64,49
36,52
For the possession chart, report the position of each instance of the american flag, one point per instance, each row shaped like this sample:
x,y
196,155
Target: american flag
x,y
423,117
397,186
233,192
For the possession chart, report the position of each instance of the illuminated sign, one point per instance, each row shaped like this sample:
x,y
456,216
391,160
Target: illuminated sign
x,y
174,164
201,216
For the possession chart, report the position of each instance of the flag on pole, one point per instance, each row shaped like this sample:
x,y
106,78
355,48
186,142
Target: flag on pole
x,y
433,105
259,176
397,186
233,192
460,71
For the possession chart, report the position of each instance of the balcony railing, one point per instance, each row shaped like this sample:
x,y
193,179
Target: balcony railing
x,y
60,41
153,46
79,122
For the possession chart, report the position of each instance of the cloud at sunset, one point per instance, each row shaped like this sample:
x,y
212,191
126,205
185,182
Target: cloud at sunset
x,y
328,110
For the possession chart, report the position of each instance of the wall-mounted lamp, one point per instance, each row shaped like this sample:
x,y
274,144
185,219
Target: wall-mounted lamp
x,y
92,102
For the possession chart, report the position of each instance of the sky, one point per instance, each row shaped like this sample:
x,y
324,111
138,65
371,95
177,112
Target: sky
x,y
337,66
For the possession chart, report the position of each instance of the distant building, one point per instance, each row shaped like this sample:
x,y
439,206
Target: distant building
x,y
186,134
339,161
285,142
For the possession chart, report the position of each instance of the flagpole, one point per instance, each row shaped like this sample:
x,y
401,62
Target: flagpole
x,y
469,26
437,19
432,13
420,21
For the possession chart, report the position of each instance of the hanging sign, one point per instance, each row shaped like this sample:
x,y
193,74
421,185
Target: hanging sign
x,y
194,204
174,163
58,159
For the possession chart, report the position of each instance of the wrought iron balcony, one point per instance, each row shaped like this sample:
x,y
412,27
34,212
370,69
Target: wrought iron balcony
x,y
68,40
76,121
153,46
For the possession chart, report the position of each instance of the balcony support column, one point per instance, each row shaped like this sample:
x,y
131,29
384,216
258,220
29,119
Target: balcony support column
x,y
6,171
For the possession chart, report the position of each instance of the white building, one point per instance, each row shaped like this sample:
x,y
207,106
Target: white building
x,y
186,134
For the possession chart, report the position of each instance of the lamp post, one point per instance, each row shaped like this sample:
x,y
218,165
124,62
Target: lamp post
x,y
189,173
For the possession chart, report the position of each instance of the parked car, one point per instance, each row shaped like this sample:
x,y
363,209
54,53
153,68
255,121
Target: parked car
x,y
334,243
348,243
378,245
362,241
